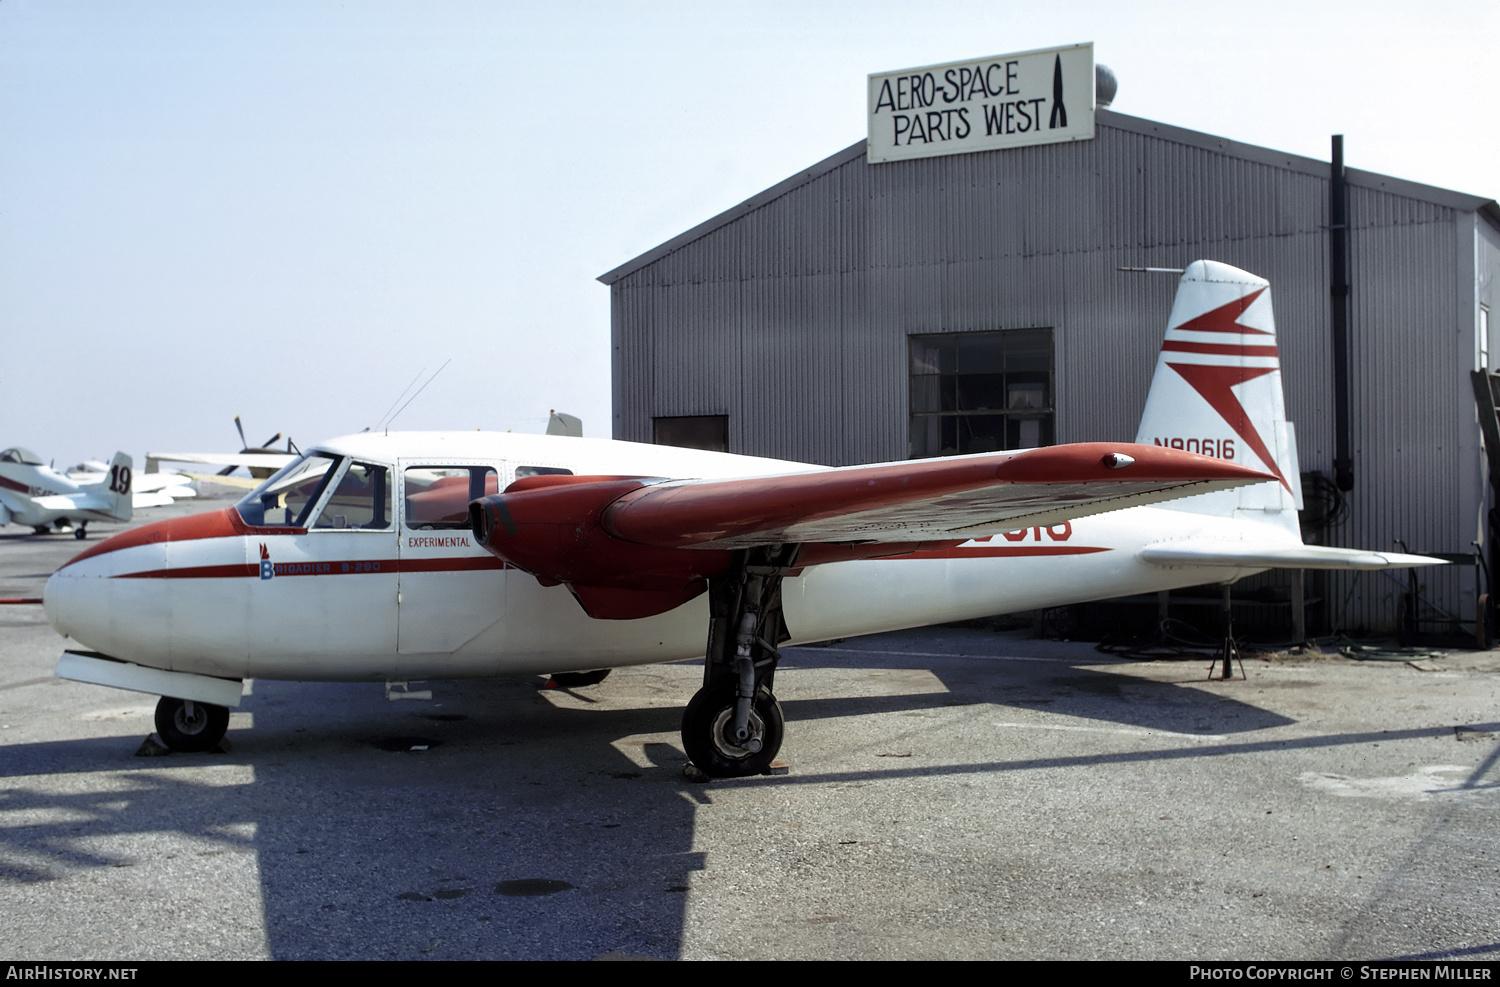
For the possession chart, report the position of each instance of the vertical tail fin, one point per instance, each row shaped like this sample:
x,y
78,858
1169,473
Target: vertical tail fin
x,y
1217,390
116,488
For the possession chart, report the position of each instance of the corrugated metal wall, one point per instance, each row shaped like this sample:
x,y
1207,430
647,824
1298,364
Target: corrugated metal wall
x,y
792,317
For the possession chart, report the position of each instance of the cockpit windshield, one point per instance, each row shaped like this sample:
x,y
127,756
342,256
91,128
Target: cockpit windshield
x,y
18,455
288,497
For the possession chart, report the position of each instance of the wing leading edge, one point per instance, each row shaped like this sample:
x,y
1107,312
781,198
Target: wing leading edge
x,y
631,547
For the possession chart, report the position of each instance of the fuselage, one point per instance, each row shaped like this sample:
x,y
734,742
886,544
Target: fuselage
x,y
364,570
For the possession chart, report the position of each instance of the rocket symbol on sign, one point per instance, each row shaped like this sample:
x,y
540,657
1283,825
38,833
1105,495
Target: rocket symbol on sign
x,y
266,569
1059,111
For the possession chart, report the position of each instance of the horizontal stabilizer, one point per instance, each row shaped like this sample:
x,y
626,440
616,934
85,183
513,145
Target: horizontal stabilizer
x,y
73,502
1250,556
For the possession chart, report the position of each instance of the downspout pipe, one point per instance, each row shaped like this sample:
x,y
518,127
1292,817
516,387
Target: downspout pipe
x,y
1338,273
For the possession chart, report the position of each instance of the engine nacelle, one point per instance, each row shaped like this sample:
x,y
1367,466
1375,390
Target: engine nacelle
x,y
550,526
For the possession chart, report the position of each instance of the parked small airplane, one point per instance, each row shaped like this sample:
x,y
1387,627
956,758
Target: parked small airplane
x,y
261,461
155,489
449,555
31,492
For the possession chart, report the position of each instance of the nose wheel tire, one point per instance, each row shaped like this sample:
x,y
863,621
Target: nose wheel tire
x,y
707,732
188,726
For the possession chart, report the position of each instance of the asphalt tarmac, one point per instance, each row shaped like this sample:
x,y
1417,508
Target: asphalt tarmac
x,y
951,794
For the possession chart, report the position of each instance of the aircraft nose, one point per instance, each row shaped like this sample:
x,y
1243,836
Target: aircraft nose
x,y
100,598
73,590
58,598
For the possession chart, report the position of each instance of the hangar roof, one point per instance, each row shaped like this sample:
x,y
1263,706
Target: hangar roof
x,y
1108,119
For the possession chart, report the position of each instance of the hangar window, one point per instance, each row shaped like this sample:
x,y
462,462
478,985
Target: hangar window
x,y
981,392
710,432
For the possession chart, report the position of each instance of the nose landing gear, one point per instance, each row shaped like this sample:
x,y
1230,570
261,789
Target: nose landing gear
x,y
190,727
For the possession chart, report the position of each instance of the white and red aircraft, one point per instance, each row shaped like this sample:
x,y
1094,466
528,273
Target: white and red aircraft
x,y
448,555
31,492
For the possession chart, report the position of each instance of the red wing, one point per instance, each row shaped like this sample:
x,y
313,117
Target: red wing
x,y
924,500
629,547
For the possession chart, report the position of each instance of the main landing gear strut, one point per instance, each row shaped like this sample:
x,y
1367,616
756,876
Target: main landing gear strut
x,y
733,726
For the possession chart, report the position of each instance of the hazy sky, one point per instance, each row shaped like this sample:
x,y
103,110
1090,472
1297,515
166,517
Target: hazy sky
x,y
288,210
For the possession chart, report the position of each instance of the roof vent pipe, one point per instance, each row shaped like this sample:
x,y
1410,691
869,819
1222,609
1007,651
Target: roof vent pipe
x,y
1105,85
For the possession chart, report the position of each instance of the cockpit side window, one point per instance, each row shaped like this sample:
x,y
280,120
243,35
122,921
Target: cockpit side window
x,y
362,500
525,471
437,497
287,498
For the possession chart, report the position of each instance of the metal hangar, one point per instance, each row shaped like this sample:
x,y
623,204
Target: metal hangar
x,y
871,310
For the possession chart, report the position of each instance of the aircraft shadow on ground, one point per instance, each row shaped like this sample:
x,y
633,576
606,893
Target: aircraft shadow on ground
x,y
520,832
1065,687
524,829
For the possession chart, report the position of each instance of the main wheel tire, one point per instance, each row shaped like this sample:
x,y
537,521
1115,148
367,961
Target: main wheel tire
x,y
575,680
189,732
80,533
707,721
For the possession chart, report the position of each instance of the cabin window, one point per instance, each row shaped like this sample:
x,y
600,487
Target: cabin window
x,y
437,497
524,471
362,500
287,498
981,392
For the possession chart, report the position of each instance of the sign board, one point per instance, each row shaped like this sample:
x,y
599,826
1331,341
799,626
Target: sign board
x,y
981,104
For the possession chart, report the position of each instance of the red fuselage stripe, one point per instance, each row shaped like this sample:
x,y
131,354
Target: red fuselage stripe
x,y
365,567
999,552
196,572
452,565
342,567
